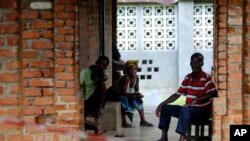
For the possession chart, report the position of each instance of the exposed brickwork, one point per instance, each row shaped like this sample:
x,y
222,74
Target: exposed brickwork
x,y
10,94
39,63
231,63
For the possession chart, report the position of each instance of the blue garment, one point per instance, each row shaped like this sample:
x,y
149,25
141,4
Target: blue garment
x,y
184,114
128,104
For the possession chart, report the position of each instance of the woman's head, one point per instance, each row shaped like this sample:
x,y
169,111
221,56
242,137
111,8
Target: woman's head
x,y
131,67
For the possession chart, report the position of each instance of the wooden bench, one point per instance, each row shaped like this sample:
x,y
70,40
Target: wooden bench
x,y
200,131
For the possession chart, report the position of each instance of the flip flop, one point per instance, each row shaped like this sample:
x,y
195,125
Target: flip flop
x,y
119,135
127,126
146,124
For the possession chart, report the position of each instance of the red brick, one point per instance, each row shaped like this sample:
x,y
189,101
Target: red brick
x,y
8,4
63,92
8,77
64,76
59,8
46,15
32,111
235,11
65,31
60,84
60,107
32,34
8,127
1,42
68,99
65,45
59,38
11,15
42,82
13,89
49,110
222,2
69,38
65,1
9,101
70,22
59,23
42,64
59,69
30,15
70,85
48,73
12,40
11,65
64,61
48,91
7,53
41,24
8,28
46,44
32,73
235,20
32,92
2,137
235,2
1,90
49,54
14,111
30,54
69,54
47,34
43,101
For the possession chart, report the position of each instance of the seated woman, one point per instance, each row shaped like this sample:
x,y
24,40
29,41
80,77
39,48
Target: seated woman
x,y
127,91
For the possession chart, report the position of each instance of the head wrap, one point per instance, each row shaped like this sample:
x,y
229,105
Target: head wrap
x,y
130,63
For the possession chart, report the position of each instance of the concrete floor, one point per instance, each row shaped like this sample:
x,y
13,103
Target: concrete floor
x,y
145,133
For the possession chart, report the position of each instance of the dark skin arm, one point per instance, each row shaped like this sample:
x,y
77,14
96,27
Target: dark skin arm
x,y
170,99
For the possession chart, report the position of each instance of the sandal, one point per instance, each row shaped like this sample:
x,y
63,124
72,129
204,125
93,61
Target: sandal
x,y
127,125
119,135
146,124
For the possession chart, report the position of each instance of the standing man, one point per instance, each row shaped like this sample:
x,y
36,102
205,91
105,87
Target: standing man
x,y
198,89
93,83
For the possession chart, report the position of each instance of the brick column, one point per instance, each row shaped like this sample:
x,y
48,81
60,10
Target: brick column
x,y
65,15
10,88
228,107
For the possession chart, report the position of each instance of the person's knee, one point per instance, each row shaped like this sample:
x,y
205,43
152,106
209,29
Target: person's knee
x,y
185,113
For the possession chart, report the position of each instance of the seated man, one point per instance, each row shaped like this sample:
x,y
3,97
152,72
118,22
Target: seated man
x,y
127,91
93,84
198,89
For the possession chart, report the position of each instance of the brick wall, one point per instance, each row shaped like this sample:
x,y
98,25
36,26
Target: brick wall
x,y
40,61
10,78
231,66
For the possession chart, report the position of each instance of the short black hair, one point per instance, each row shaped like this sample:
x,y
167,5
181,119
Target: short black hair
x,y
198,55
103,58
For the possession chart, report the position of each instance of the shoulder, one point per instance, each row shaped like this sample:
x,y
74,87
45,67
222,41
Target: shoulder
x,y
86,70
206,75
188,76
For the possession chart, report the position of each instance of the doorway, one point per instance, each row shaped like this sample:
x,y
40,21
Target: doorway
x,y
162,38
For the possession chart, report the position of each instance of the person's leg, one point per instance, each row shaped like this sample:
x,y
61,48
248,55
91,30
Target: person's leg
x,y
143,120
165,117
186,115
126,109
100,92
